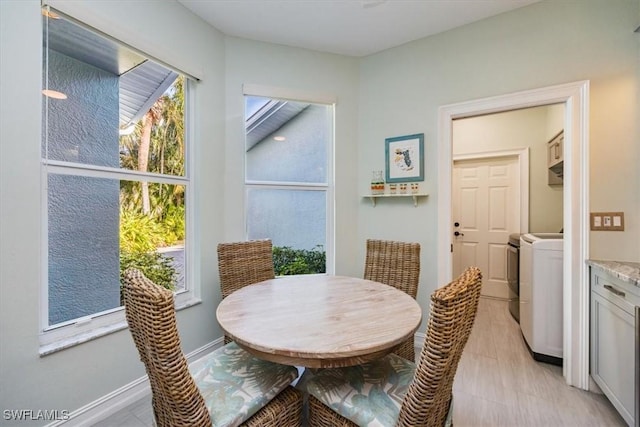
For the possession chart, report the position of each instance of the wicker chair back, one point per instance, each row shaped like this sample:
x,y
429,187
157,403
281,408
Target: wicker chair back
x,y
243,263
453,311
395,264
176,398
152,321
428,399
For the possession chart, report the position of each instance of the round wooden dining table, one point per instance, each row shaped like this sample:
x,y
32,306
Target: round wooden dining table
x,y
319,321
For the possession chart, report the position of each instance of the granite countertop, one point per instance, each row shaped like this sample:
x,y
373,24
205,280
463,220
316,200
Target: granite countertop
x,y
624,270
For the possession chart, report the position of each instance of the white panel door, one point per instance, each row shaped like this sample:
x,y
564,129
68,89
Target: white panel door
x,y
486,207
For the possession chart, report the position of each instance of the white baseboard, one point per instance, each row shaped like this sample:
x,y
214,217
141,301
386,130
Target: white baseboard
x,y
119,399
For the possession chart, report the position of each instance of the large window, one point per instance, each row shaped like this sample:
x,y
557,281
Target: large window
x,y
288,181
115,175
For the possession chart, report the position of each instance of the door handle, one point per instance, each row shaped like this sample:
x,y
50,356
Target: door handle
x,y
457,233
614,291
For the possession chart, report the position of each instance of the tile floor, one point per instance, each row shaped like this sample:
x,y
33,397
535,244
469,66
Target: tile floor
x,y
497,384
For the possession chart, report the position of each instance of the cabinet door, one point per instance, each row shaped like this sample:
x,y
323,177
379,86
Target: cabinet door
x,y
552,153
613,354
559,153
555,159
555,151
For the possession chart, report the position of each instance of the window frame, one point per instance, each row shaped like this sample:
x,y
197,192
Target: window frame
x,y
287,94
53,338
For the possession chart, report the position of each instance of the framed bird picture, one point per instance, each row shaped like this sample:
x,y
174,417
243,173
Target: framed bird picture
x,y
404,157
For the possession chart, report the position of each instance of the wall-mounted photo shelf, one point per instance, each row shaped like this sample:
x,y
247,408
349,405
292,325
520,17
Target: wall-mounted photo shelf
x,y
374,197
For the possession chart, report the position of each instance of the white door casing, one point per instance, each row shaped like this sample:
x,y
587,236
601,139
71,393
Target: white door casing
x,y
575,97
486,205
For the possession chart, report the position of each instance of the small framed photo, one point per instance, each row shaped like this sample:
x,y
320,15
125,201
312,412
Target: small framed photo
x,y
404,156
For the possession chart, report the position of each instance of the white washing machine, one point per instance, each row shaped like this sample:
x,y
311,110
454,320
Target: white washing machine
x,y
541,279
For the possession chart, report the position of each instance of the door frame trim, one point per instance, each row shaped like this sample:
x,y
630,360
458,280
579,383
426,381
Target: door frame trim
x,y
575,97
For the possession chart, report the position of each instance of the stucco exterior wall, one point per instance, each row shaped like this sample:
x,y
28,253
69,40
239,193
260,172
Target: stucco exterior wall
x,y
83,237
294,218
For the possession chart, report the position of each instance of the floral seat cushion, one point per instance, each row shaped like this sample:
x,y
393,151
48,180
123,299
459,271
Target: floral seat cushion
x,y
370,394
235,384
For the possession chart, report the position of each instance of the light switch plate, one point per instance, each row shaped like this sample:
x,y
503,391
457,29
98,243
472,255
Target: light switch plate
x,y
607,221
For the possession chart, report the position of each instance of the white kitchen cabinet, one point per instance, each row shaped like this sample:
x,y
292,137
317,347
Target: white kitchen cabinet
x,y
614,341
555,158
555,149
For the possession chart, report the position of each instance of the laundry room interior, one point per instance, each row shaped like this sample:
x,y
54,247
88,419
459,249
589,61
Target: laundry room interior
x,y
519,240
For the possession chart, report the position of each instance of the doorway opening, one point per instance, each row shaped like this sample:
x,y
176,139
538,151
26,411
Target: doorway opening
x,y
575,97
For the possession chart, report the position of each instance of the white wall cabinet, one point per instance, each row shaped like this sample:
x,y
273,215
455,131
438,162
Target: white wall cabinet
x,y
555,158
555,149
614,342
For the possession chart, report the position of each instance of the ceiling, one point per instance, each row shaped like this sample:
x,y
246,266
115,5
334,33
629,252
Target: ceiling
x,y
346,27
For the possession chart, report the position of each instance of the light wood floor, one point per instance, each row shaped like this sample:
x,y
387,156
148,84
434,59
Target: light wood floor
x,y
497,384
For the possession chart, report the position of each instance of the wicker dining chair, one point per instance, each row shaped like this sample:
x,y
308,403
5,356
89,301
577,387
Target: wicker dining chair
x,y
227,387
392,391
396,264
243,263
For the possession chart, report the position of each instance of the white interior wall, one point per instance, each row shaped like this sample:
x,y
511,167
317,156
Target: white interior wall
x,y
396,92
544,44
530,128
554,120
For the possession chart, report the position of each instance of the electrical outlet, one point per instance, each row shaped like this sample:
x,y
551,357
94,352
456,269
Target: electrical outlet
x,y
607,221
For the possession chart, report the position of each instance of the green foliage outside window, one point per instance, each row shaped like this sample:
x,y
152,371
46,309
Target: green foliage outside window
x,y
140,235
288,261
153,265
152,215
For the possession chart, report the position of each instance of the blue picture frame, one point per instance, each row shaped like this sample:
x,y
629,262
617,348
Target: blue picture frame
x,y
404,158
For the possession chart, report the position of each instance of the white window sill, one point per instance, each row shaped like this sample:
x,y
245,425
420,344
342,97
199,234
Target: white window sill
x,y
81,338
